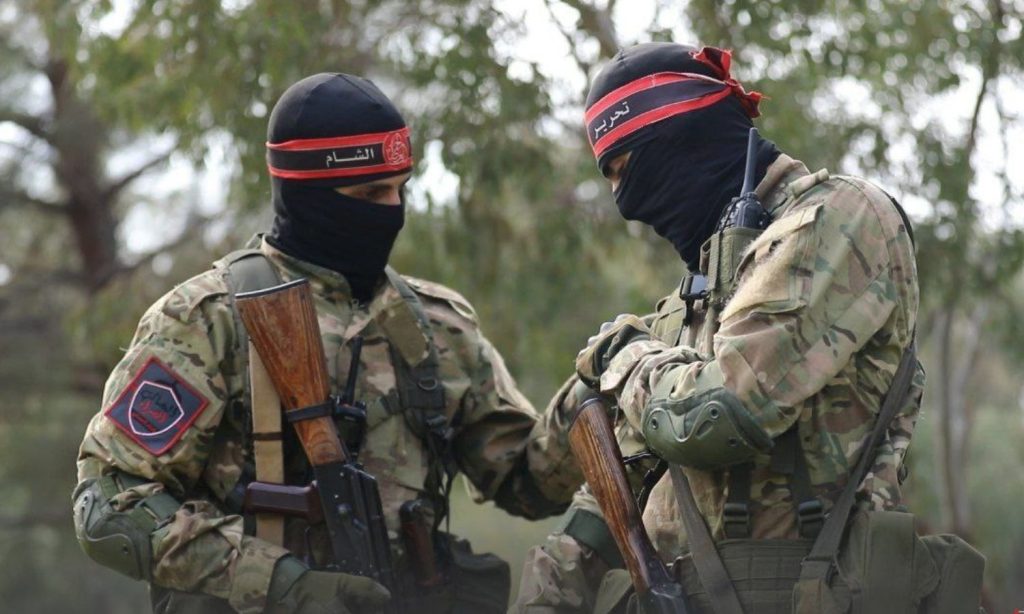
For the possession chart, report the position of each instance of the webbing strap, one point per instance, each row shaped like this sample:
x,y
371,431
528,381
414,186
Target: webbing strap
x,y
423,389
819,563
810,513
267,444
707,561
248,270
736,512
153,510
422,397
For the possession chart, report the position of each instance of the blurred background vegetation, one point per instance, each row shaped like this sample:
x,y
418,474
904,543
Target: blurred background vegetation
x,y
131,155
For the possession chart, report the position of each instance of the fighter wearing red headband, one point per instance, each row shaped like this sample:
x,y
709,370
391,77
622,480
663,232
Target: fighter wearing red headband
x,y
761,375
184,430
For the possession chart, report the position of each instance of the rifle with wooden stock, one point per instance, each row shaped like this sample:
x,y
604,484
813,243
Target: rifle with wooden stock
x,y
282,325
593,444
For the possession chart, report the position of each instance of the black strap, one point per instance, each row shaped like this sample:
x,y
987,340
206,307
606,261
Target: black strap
x,y
903,216
736,511
308,413
810,513
423,404
422,390
788,459
709,565
819,564
651,478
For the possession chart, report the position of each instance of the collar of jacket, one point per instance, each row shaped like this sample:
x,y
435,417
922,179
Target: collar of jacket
x,y
773,190
387,308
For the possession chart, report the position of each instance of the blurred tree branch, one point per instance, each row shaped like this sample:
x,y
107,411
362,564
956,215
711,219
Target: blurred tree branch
x,y
118,185
597,22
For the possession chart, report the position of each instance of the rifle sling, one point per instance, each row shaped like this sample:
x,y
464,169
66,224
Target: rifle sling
x,y
706,559
248,269
819,563
267,443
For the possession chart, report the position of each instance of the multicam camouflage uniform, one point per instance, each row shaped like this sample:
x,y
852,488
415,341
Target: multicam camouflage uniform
x,y
500,443
825,305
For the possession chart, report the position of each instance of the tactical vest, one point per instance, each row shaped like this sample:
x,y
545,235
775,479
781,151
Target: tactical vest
x,y
419,386
478,583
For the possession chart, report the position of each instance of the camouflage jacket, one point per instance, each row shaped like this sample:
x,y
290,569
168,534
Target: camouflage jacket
x,y
825,304
506,451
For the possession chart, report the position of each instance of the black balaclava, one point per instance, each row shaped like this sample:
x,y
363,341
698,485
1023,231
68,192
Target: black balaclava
x,y
686,121
327,131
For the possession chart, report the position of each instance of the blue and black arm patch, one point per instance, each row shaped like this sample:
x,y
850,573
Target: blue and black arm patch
x,y
156,408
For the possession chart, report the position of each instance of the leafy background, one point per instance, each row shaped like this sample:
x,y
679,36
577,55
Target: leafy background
x,y
131,155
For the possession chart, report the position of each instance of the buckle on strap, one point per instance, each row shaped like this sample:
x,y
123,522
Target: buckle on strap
x,y
810,517
736,520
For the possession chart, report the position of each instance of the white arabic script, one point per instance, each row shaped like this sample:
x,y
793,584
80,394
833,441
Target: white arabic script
x,y
609,123
366,153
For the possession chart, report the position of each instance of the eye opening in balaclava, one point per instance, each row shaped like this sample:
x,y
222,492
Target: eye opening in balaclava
x,y
684,120
332,130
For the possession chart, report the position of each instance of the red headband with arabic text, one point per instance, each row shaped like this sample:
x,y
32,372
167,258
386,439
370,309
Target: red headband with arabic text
x,y
658,96
343,156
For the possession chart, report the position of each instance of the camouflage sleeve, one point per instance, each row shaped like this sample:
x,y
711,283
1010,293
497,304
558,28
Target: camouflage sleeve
x,y
814,288
510,454
161,406
563,575
560,576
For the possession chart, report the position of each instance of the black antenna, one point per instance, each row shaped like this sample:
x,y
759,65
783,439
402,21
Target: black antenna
x,y
746,211
748,173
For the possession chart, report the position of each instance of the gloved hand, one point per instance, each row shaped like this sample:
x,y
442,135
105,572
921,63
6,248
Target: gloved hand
x,y
593,360
296,589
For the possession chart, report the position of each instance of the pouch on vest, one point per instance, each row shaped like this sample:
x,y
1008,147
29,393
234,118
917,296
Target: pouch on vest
x,y
477,583
720,257
762,571
884,566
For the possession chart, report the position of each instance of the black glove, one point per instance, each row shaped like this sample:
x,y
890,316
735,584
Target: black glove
x,y
295,589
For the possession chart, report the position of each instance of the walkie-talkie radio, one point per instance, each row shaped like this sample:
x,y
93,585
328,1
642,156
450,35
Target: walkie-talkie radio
x,y
742,221
746,211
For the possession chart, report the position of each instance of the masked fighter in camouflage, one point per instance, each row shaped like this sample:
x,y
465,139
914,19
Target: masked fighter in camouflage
x,y
762,373
164,465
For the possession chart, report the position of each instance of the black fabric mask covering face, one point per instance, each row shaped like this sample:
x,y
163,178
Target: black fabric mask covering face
x,y
687,170
350,236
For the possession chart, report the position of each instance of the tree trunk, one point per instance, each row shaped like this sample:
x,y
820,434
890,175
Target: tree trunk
x,y
78,138
958,348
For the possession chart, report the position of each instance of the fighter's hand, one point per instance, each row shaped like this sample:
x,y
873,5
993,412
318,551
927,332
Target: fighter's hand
x,y
297,590
593,360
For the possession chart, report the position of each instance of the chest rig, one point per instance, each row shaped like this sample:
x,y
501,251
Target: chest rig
x,y
421,398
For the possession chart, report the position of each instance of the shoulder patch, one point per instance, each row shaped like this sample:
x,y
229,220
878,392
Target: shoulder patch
x,y
436,290
156,407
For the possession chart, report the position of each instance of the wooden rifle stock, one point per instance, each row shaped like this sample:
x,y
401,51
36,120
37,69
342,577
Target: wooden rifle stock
x,y
282,325
593,444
